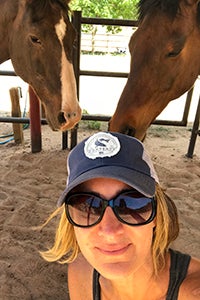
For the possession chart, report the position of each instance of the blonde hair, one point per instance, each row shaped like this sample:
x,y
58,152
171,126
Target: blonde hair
x,y
166,229
66,249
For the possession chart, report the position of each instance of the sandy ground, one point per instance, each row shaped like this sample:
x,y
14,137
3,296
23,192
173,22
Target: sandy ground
x,y
30,185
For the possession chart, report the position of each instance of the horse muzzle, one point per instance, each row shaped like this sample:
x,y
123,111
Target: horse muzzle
x,y
68,120
128,130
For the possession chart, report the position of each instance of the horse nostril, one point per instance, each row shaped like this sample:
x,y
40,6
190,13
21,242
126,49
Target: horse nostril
x,y
129,131
61,117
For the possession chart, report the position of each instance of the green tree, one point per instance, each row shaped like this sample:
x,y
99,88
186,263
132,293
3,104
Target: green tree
x,y
112,9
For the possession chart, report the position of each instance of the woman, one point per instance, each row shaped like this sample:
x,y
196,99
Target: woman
x,y
117,225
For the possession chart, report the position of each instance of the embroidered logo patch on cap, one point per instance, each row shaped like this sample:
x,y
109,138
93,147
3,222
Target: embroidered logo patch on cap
x,y
101,144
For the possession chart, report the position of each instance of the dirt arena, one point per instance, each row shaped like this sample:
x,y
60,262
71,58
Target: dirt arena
x,y
30,185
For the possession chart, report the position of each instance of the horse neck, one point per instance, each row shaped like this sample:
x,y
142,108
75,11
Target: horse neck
x,y
8,13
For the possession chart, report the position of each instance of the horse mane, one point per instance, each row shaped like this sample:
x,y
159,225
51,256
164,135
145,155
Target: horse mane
x,y
40,7
170,7
146,7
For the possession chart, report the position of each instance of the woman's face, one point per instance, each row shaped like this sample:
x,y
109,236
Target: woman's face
x,y
111,247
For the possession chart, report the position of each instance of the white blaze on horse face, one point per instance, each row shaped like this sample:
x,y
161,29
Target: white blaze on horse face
x,y
68,83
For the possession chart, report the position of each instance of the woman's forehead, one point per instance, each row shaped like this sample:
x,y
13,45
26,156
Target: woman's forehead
x,y
98,184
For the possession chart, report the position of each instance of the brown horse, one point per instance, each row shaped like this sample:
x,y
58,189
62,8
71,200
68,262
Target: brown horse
x,y
38,37
165,62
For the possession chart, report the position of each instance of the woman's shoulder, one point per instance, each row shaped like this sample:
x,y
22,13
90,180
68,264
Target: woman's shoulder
x,y
190,288
80,279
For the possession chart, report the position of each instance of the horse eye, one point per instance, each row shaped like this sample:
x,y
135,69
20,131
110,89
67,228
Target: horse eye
x,y
35,40
173,53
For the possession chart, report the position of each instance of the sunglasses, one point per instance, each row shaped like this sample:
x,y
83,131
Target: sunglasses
x,y
130,207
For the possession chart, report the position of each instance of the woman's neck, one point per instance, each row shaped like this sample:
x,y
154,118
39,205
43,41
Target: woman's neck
x,y
140,285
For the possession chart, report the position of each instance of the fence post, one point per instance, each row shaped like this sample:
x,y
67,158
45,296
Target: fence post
x,y
35,122
187,106
16,112
194,133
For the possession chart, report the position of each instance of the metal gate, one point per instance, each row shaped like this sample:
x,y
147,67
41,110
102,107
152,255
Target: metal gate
x,y
77,21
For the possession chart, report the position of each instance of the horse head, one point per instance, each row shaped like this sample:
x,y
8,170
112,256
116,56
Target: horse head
x,y
41,39
165,62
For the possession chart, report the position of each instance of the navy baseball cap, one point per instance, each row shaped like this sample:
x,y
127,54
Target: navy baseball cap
x,y
111,155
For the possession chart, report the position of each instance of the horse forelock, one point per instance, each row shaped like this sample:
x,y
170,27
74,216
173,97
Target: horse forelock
x,y
39,8
146,7
170,7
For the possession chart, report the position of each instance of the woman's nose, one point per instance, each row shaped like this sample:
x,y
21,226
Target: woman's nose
x,y
109,224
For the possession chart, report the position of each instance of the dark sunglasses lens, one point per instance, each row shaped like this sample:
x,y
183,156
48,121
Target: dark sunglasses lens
x,y
133,209
84,209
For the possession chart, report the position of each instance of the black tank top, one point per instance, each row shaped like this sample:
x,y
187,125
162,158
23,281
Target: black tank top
x,y
178,271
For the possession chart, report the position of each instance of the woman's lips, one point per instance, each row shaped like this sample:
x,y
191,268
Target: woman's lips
x,y
113,250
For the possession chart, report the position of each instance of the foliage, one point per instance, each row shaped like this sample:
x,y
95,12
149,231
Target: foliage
x,y
112,9
94,125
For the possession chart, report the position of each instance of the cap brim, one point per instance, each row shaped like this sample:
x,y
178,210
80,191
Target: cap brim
x,y
141,182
